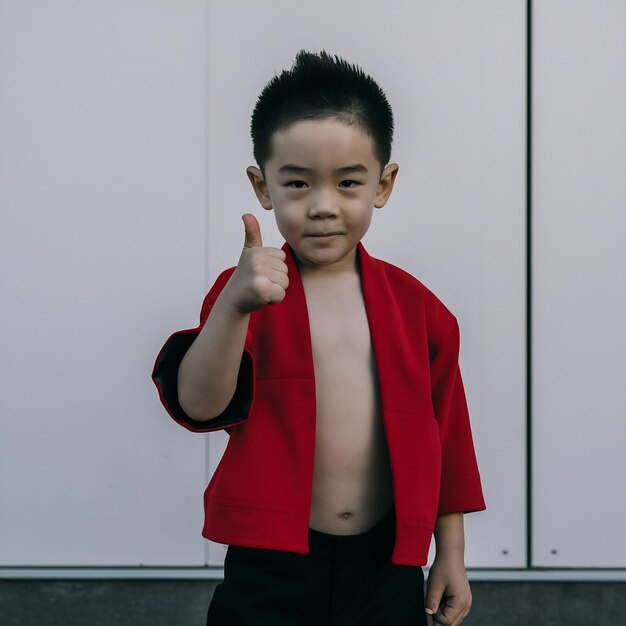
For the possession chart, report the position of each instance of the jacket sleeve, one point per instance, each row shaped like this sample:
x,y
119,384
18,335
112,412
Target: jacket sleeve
x,y
460,489
165,373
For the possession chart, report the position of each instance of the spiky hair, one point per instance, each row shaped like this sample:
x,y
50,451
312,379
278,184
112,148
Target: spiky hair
x,y
319,86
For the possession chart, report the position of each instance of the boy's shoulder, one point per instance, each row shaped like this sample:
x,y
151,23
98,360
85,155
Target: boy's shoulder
x,y
409,288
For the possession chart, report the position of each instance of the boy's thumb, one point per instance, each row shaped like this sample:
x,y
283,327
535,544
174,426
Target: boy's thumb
x,y
253,231
432,600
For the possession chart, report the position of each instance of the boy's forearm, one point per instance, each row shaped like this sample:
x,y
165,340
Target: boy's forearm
x,y
449,534
207,376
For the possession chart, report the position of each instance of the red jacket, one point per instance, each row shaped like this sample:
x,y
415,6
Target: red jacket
x,y
260,493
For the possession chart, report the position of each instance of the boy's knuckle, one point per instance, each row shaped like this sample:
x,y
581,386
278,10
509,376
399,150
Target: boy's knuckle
x,y
259,284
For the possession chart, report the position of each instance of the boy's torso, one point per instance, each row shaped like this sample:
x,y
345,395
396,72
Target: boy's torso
x,y
352,483
260,494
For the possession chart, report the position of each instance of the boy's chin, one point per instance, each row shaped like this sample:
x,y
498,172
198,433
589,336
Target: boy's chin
x,y
323,258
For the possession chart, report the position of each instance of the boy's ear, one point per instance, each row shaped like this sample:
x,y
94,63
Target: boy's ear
x,y
385,186
259,186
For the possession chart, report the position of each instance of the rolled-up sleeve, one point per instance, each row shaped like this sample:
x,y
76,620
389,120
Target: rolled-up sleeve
x,y
460,489
165,373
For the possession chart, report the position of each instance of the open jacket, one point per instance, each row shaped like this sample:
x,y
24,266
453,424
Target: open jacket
x,y
260,493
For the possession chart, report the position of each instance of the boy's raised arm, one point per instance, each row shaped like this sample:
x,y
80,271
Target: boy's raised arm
x,y
207,376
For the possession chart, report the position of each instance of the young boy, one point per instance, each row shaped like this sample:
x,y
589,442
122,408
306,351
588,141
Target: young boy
x,y
336,376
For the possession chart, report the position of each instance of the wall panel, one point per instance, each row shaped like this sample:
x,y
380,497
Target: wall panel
x,y
579,279
102,254
455,76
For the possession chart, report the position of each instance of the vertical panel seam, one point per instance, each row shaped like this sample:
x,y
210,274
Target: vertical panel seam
x,y
205,109
529,510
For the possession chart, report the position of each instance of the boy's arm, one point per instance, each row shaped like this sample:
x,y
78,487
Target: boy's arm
x,y
460,488
449,534
448,596
207,376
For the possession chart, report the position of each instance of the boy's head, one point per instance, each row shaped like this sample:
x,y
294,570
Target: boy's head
x,y
318,87
322,137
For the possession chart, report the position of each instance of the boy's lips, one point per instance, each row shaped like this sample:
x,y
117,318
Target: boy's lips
x,y
328,234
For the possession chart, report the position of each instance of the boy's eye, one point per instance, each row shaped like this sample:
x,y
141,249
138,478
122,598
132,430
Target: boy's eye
x,y
354,183
297,183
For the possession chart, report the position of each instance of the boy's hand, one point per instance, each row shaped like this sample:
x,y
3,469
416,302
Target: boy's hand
x,y
261,274
448,596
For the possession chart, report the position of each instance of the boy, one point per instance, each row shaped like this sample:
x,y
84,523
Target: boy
x,y
336,376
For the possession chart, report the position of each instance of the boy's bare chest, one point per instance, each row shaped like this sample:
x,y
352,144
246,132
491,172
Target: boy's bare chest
x,y
345,369
339,327
351,483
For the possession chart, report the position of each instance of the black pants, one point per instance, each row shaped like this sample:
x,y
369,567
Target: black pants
x,y
345,580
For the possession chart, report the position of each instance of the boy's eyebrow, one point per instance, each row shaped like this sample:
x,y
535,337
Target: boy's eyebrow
x,y
348,169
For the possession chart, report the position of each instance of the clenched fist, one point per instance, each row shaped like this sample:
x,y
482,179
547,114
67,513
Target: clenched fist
x,y
261,274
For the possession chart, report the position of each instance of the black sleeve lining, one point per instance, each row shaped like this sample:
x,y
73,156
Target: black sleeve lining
x,y
165,375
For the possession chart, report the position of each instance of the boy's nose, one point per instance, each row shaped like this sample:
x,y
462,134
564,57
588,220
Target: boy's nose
x,y
323,205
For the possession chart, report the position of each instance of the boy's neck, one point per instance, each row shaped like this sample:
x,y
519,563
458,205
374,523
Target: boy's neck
x,y
348,266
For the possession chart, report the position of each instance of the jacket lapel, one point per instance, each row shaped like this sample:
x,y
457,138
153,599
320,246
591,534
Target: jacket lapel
x,y
398,333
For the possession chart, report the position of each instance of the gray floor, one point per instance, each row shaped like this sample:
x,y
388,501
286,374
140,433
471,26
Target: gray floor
x,y
184,603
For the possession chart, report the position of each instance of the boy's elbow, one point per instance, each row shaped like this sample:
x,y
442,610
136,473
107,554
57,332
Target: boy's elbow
x,y
203,411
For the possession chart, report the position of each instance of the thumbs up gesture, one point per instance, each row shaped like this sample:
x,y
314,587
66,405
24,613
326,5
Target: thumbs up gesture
x,y
261,274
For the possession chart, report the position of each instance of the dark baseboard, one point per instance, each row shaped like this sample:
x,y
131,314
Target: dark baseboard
x,y
184,603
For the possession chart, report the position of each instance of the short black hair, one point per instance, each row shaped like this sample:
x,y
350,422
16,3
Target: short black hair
x,y
319,86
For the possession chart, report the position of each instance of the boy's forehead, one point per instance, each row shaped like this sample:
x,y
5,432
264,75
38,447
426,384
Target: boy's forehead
x,y
321,146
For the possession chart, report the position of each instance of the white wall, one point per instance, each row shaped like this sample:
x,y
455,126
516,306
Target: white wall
x,y
579,293
456,218
102,222
124,138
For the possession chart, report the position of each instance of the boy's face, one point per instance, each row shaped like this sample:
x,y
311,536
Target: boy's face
x,y
323,178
